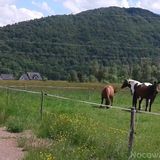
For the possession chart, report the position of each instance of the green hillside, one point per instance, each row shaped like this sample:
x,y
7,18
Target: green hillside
x,y
102,44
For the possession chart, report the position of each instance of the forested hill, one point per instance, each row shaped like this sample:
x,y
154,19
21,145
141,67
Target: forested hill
x,y
101,44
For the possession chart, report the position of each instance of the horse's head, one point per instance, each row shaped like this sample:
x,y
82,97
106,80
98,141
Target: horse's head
x,y
126,84
156,86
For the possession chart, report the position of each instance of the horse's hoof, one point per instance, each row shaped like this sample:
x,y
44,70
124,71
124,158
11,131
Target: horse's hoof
x,y
100,107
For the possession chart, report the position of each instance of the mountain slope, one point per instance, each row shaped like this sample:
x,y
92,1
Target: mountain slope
x,y
58,44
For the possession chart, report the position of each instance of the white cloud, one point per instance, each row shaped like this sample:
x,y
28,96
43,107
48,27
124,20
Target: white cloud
x,y
124,3
150,5
10,14
3,2
43,6
76,6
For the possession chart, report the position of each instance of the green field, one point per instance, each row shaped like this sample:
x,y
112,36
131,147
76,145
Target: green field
x,y
77,131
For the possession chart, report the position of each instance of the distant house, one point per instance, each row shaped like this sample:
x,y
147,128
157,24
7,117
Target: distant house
x,y
7,77
24,77
31,76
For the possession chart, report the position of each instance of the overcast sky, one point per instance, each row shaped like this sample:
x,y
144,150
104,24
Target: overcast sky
x,y
12,11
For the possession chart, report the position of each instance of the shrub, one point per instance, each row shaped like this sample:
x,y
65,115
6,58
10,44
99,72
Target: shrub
x,y
14,125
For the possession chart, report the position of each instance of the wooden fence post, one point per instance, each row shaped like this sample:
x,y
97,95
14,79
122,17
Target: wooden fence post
x,y
7,96
131,134
41,107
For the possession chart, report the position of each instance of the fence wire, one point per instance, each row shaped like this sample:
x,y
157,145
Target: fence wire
x,y
78,101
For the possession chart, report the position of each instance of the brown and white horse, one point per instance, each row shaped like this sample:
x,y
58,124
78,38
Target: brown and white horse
x,y
108,94
147,92
131,84
140,90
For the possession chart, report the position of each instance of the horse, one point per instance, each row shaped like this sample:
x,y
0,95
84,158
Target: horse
x,y
108,94
131,84
147,92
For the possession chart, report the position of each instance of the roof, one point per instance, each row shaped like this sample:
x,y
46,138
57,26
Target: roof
x,y
24,77
7,76
31,76
34,76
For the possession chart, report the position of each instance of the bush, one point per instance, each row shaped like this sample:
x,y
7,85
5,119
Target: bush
x,y
77,137
14,125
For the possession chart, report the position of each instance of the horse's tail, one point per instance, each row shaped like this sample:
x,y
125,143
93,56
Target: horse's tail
x,y
116,88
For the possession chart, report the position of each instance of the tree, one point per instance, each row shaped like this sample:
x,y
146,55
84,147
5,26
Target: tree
x,y
136,72
92,78
123,72
94,67
73,76
146,72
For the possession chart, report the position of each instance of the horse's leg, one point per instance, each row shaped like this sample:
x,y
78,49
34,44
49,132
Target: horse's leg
x,y
147,100
140,101
111,101
134,101
101,102
150,105
108,102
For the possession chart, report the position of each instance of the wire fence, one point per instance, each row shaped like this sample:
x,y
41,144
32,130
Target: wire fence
x,y
79,101
132,111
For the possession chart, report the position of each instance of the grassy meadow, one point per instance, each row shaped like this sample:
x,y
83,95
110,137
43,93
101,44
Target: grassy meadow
x,y
77,131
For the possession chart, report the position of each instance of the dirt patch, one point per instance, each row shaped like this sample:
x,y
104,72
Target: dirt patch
x,y
31,141
9,142
9,149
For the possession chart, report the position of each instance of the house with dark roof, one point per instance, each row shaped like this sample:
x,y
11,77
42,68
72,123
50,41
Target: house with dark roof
x,y
24,77
31,76
7,77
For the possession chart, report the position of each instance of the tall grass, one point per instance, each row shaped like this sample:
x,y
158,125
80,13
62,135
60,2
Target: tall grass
x,y
77,130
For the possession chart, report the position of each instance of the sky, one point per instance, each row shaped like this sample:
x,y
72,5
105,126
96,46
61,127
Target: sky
x,y
13,11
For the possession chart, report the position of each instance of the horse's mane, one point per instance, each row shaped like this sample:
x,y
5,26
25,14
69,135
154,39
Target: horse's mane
x,y
133,83
132,80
